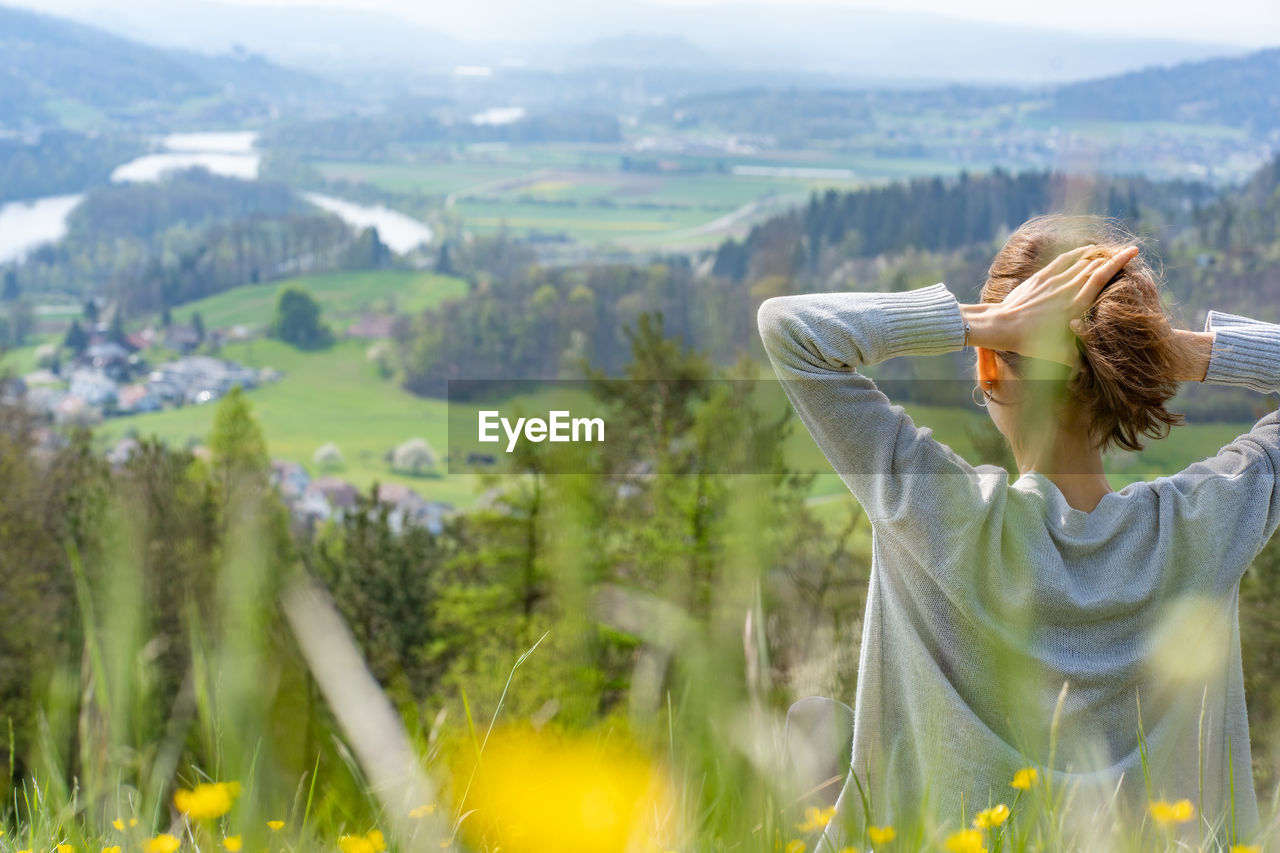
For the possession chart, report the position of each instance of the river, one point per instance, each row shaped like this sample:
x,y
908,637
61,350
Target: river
x,y
25,225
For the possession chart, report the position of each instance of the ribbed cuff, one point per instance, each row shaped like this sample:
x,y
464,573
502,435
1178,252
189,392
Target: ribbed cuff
x,y
1245,354
1221,319
924,321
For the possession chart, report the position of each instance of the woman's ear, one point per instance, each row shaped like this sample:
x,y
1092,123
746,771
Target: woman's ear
x,y
986,365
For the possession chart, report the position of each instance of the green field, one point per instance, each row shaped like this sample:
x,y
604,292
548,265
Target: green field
x,y
342,297
331,396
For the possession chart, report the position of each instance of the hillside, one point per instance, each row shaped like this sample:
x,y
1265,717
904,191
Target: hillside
x,y
54,72
1238,92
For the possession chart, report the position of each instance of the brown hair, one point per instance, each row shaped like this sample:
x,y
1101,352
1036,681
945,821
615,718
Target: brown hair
x,y
1128,351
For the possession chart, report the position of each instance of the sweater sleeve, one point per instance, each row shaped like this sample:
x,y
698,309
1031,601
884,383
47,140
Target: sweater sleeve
x,y
817,342
1234,494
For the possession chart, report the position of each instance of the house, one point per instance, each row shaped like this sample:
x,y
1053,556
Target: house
x,y
94,387
410,508
181,339
121,453
290,478
327,498
136,399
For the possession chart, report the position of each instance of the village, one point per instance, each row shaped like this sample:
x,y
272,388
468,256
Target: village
x,y
113,378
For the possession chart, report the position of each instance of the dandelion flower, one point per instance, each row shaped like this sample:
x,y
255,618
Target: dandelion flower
x,y
206,801
118,824
1165,813
992,817
965,841
881,834
540,791
163,843
795,845
373,842
113,849
422,811
1025,778
816,818
275,825
64,848
232,843
1246,848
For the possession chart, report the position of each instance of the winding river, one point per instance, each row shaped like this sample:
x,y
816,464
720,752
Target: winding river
x,y
26,225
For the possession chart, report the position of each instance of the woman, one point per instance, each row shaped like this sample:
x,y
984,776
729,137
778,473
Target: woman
x,y
1046,621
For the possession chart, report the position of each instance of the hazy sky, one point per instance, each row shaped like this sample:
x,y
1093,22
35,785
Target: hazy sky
x,y
1250,23
1255,23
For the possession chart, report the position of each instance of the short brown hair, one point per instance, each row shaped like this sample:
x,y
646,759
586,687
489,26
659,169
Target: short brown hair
x,y
1128,352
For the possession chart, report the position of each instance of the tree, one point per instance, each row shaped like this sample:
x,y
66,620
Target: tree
x,y
197,325
414,456
77,338
115,333
328,456
90,312
297,320
17,325
11,291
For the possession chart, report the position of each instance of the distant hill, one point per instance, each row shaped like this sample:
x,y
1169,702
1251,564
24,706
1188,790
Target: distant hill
x,y
55,72
1241,92
639,51
45,59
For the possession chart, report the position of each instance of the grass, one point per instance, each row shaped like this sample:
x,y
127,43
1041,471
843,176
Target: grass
x,y
342,296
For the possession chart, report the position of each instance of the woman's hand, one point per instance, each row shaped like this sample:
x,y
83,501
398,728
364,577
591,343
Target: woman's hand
x,y
1041,316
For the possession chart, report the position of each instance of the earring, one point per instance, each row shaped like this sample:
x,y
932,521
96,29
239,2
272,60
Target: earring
x,y
981,396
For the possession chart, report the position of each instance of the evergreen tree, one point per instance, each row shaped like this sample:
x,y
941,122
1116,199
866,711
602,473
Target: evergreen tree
x,y
116,333
11,290
76,338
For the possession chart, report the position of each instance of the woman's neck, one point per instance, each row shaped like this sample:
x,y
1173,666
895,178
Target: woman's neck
x,y
1072,464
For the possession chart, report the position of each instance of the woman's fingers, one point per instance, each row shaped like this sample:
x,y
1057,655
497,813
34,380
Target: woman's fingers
x,y
1102,274
1066,260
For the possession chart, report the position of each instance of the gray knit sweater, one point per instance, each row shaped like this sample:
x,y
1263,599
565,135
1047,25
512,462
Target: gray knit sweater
x,y
988,596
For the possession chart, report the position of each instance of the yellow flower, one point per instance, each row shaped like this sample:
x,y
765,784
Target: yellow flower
x,y
1165,813
118,824
571,793
232,843
1025,778
24,851
965,841
422,811
373,842
881,834
163,843
795,845
64,848
816,818
113,849
992,817
1246,848
848,850
275,825
206,801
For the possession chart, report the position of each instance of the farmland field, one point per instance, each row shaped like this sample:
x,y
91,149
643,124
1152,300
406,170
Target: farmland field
x,y
342,297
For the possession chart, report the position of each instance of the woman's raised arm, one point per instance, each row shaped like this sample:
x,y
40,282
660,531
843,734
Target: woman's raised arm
x,y
817,342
